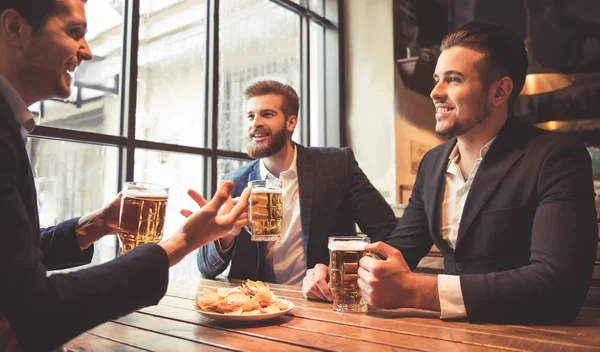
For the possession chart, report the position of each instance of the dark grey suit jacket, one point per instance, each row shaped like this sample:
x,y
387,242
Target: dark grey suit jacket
x,y
334,194
527,237
44,312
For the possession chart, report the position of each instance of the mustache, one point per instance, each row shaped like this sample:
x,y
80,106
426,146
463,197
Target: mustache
x,y
258,130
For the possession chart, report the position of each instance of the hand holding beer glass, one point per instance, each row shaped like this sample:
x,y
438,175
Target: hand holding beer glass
x,y
142,216
265,212
344,255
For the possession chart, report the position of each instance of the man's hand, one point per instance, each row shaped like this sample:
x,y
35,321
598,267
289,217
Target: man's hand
x,y
227,240
391,284
214,220
99,223
314,285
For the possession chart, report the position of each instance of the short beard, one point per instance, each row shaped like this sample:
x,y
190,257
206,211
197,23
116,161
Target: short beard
x,y
265,151
483,112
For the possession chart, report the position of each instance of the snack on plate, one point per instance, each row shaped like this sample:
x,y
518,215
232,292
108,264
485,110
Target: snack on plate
x,y
252,297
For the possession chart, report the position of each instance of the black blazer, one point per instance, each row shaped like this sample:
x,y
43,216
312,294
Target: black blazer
x,y
334,193
44,312
527,237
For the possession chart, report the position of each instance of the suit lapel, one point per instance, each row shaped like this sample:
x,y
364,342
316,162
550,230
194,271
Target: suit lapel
x,y
503,154
304,164
255,173
434,204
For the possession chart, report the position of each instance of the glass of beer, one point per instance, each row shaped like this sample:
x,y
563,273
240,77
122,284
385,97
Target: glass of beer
x,y
344,255
265,212
142,216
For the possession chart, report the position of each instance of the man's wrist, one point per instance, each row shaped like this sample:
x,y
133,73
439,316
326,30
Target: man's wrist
x,y
225,244
424,293
175,249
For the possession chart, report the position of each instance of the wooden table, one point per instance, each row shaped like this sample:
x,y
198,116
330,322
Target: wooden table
x,y
174,325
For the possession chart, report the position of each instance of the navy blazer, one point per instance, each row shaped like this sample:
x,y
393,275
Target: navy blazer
x,y
334,194
527,238
44,312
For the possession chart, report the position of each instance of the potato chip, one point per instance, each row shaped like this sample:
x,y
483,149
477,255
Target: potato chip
x,y
251,298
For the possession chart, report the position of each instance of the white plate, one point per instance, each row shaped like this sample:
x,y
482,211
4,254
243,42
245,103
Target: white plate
x,y
256,317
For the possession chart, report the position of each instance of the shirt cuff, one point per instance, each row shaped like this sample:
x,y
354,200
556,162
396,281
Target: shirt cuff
x,y
451,299
221,250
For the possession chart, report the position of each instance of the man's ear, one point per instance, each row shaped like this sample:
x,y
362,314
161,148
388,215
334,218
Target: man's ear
x,y
14,28
291,123
500,90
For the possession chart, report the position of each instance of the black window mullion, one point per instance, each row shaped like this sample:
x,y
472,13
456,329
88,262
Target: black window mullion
x,y
129,98
214,98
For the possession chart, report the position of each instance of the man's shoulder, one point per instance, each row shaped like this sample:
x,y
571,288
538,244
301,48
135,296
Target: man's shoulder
x,y
241,174
327,152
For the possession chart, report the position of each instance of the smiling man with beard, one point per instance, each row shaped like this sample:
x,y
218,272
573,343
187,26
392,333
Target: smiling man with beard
x,y
324,194
510,206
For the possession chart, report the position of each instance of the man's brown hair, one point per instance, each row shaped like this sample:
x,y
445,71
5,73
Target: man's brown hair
x,y
290,104
504,53
36,12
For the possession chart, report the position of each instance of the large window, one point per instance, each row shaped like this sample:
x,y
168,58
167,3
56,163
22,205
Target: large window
x,y
162,100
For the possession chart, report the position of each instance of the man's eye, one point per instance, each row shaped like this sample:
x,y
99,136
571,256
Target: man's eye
x,y
74,33
250,117
454,79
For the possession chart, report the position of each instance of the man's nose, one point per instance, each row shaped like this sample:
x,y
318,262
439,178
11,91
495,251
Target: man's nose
x,y
84,53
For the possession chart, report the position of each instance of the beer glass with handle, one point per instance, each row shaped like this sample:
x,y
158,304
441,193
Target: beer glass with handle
x,y
344,254
265,212
142,216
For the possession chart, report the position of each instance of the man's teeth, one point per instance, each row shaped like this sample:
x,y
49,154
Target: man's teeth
x,y
443,110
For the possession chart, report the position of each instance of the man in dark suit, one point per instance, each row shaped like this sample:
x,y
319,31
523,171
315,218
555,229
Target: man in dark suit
x,y
40,42
510,207
325,192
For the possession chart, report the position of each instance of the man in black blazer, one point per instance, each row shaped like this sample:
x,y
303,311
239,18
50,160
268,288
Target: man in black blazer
x,y
510,207
325,193
40,41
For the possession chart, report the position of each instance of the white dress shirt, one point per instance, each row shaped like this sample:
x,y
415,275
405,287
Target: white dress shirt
x,y
285,257
23,116
457,189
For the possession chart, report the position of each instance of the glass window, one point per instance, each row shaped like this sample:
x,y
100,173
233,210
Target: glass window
x,y
317,6
74,179
171,71
94,104
179,172
257,39
252,49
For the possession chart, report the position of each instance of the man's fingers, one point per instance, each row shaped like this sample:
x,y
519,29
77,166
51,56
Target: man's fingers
x,y
186,212
197,197
382,248
239,208
221,196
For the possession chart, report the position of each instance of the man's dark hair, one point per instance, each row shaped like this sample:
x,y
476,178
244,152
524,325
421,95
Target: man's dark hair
x,y
36,12
290,104
504,53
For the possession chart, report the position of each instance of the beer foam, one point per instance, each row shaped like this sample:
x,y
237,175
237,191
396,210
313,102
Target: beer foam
x,y
347,246
266,190
133,193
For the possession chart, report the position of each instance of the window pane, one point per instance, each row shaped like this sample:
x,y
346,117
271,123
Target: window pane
x,y
316,6
74,179
225,166
252,49
94,104
179,172
317,85
171,71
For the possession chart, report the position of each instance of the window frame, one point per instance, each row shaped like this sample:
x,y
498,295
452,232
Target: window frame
x,y
333,122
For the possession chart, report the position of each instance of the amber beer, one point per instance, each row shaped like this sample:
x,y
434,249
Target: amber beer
x,y
265,212
344,255
142,217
